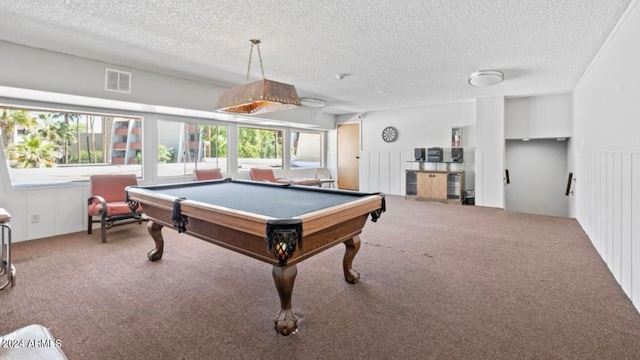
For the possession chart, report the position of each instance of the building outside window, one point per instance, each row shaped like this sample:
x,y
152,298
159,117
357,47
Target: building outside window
x,y
184,147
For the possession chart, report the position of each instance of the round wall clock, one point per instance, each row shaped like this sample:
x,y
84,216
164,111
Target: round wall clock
x,y
389,134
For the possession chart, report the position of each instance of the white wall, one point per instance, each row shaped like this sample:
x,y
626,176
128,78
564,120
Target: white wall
x,y
607,153
383,165
24,67
489,156
538,117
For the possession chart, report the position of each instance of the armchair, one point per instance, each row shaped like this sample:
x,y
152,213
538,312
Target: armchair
x,y
108,202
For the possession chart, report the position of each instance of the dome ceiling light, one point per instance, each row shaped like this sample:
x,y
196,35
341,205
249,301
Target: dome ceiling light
x,y
485,78
312,102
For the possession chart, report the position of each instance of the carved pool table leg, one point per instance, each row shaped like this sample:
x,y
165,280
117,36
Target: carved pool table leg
x,y
284,277
155,230
353,245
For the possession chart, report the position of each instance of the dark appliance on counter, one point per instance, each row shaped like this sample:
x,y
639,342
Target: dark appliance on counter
x,y
434,154
456,154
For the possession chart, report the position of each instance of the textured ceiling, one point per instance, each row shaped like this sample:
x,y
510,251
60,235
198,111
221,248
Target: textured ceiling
x,y
398,53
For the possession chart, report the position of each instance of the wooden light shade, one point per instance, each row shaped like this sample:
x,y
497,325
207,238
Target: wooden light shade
x,y
258,97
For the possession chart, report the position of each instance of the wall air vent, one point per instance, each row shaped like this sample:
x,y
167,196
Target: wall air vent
x,y
117,81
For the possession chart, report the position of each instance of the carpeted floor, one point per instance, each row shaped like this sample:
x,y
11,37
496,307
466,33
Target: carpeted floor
x,y
438,282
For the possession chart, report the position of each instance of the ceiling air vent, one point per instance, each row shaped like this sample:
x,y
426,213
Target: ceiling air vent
x,y
117,81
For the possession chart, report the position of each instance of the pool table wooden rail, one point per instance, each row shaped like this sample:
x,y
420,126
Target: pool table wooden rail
x,y
244,232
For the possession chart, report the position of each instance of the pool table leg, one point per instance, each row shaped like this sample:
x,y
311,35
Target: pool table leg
x,y
353,245
155,230
284,277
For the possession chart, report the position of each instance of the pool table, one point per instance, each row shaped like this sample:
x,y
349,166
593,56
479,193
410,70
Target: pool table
x,y
278,224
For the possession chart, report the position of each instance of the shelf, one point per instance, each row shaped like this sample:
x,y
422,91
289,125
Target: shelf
x,y
435,162
443,166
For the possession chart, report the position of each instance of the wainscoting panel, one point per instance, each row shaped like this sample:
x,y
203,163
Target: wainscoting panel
x,y
70,201
617,216
396,181
609,201
374,171
384,171
608,187
39,204
602,207
626,270
635,230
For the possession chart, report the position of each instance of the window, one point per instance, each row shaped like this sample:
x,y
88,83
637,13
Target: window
x,y
259,148
306,150
183,147
46,147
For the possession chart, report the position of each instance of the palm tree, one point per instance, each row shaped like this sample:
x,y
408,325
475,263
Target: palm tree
x,y
32,152
68,117
10,120
56,132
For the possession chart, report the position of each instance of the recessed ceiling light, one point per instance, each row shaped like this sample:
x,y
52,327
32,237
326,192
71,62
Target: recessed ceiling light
x,y
525,139
486,78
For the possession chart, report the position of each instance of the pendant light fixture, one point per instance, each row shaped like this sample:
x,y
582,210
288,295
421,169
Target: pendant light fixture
x,y
260,96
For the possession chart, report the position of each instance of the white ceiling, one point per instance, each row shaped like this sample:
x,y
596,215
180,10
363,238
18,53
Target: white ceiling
x,y
398,53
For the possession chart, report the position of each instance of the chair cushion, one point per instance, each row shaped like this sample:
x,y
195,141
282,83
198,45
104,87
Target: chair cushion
x,y
113,208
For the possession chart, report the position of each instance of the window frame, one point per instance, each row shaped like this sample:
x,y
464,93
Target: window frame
x,y
188,122
149,115
42,107
285,153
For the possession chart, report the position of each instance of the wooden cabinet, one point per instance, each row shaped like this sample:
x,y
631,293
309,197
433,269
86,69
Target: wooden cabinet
x,y
443,186
432,185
